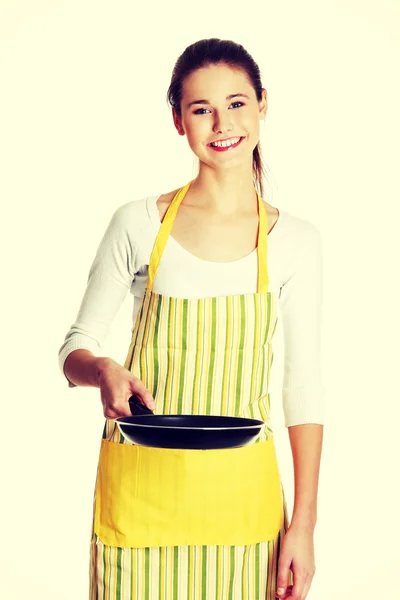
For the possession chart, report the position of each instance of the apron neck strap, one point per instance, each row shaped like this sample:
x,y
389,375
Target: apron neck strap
x,y
165,231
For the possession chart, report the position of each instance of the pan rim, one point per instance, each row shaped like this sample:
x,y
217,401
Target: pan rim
x,y
239,427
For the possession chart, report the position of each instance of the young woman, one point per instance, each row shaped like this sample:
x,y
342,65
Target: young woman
x,y
209,265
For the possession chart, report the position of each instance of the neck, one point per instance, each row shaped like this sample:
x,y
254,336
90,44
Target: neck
x,y
227,191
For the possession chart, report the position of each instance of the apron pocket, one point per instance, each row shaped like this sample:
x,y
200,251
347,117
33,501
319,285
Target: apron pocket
x,y
148,497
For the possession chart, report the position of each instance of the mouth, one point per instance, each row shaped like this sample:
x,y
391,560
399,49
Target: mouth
x,y
225,145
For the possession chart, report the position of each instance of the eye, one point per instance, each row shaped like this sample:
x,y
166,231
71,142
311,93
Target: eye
x,y
196,112
201,111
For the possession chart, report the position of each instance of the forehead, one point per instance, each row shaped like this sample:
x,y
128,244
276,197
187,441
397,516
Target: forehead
x,y
214,81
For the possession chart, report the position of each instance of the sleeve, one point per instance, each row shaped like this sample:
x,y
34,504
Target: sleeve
x,y
110,278
303,393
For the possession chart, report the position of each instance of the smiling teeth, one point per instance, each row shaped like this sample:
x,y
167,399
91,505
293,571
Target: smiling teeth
x,y
227,142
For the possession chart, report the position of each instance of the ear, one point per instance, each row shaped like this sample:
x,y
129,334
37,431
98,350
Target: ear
x,y
177,122
263,104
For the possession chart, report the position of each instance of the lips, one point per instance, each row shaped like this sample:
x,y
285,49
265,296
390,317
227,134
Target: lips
x,y
225,148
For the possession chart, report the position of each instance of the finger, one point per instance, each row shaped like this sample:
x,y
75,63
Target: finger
x,y
287,594
283,574
299,585
116,414
114,411
140,390
297,593
124,411
307,586
112,414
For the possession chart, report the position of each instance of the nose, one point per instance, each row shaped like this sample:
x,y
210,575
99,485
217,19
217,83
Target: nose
x,y
222,124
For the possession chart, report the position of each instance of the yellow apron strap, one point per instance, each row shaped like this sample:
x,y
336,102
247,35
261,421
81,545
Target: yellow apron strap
x,y
164,234
165,231
262,244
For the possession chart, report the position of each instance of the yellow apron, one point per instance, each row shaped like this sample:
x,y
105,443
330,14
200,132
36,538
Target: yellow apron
x,y
213,353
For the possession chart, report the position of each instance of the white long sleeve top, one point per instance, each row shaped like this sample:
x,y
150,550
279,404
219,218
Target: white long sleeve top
x,y
295,276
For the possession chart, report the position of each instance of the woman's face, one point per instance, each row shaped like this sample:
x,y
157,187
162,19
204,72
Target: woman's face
x,y
209,114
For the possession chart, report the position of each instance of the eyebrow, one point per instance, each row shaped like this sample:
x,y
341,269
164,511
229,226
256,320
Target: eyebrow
x,y
207,102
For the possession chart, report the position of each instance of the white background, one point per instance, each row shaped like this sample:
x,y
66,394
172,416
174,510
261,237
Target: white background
x,y
85,127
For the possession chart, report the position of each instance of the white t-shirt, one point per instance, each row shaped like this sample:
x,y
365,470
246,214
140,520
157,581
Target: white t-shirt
x,y
295,276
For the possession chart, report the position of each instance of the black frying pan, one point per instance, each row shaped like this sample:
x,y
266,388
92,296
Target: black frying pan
x,y
201,432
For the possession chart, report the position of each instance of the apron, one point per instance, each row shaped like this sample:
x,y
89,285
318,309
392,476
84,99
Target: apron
x,y
196,356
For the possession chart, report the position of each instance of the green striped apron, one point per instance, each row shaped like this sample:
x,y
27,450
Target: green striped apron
x,y
197,356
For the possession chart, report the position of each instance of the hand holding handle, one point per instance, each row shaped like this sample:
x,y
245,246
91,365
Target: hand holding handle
x,y
137,407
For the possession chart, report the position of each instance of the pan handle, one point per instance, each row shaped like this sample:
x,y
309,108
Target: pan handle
x,y
137,408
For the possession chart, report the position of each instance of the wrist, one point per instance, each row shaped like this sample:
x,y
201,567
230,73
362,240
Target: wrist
x,y
303,520
100,364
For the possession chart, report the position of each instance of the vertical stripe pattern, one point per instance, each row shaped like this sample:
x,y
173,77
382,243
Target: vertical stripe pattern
x,y
208,356
186,572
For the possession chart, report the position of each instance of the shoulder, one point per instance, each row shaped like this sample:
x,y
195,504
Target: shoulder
x,y
135,217
160,203
294,246
297,232
134,211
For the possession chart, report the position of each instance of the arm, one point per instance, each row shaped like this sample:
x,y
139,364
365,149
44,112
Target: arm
x,y
297,549
303,392
82,368
306,445
304,407
110,278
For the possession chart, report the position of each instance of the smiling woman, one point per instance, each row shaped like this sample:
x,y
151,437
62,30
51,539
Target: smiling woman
x,y
177,523
223,116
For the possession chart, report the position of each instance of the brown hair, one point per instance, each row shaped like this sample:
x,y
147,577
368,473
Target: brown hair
x,y
215,51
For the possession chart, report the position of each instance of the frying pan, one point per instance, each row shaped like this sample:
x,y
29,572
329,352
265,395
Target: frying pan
x,y
201,432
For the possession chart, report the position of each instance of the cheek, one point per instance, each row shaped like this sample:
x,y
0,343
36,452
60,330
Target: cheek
x,y
197,131
247,122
